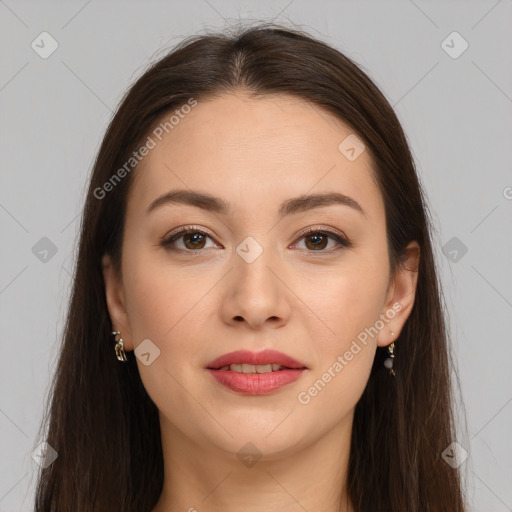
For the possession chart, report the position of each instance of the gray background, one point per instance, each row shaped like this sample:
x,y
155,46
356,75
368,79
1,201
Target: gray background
x,y
456,113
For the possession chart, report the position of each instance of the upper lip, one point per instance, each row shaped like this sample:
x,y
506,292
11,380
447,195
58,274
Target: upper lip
x,y
247,357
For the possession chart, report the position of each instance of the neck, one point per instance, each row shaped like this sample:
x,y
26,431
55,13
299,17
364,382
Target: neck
x,y
206,478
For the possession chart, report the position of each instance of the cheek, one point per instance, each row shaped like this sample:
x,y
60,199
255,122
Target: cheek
x,y
163,305
349,305
149,301
170,305
349,300
160,298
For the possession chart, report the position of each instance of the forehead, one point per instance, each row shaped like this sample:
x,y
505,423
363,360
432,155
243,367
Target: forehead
x,y
254,150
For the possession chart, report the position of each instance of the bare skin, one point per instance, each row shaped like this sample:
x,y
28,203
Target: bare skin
x,y
307,297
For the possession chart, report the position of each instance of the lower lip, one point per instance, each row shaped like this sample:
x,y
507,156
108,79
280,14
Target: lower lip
x,y
256,383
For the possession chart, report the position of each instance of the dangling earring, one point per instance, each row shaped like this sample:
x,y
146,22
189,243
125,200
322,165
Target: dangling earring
x,y
120,352
388,363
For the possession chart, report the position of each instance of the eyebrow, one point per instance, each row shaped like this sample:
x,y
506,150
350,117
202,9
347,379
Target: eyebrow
x,y
291,206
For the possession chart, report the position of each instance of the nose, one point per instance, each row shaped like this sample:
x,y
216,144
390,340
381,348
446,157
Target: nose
x,y
256,293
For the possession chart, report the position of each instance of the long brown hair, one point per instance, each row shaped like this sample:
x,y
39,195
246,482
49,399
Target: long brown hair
x,y
100,419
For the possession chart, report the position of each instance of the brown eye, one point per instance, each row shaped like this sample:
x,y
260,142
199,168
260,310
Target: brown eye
x,y
317,240
193,240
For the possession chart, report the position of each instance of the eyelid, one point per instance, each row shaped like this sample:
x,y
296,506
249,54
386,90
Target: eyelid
x,y
184,230
322,229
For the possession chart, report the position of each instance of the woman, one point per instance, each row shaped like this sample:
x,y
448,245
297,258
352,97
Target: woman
x,y
256,318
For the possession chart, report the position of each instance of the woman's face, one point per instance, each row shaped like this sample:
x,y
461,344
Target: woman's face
x,y
254,280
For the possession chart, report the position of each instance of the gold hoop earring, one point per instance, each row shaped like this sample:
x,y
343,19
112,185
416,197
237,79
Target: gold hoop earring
x,y
119,348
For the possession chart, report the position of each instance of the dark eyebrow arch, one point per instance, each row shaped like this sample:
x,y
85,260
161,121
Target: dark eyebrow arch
x,y
289,207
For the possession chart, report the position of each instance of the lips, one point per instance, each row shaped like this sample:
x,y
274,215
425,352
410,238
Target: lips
x,y
269,371
255,358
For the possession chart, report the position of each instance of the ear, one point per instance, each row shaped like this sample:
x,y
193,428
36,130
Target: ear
x,y
116,302
400,296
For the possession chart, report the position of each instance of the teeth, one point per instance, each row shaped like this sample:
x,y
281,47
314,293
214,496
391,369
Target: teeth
x,y
253,368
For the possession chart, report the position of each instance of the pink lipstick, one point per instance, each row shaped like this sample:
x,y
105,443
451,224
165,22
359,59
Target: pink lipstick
x,y
256,373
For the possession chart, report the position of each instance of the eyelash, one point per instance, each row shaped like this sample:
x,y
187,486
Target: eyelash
x,y
167,242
